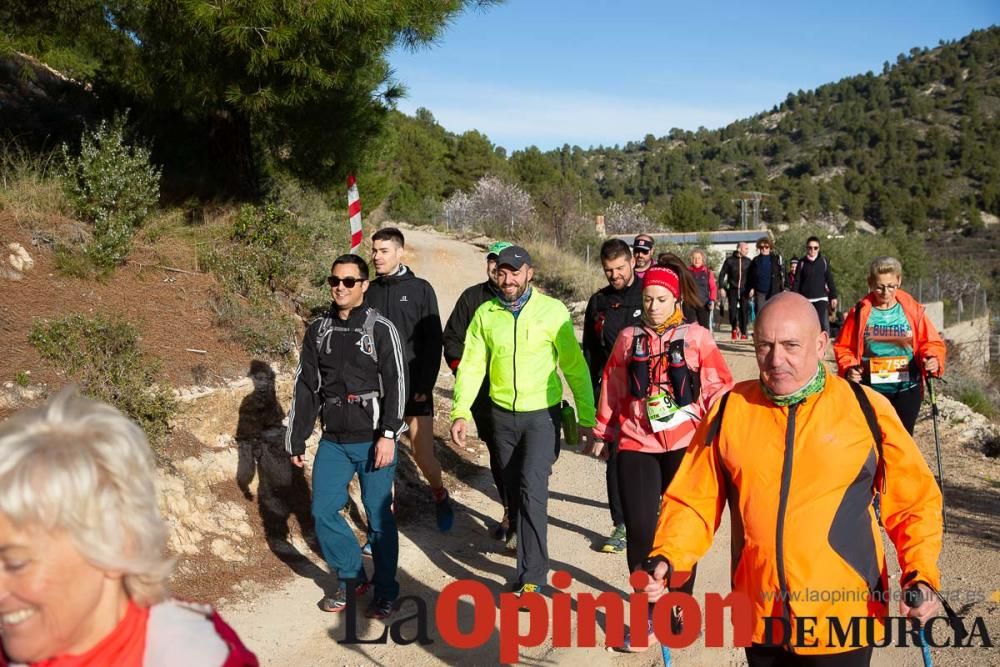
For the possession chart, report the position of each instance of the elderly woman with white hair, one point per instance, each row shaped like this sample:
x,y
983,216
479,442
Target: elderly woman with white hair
x,y
83,569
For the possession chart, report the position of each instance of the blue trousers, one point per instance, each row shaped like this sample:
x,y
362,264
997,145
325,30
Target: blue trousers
x,y
336,464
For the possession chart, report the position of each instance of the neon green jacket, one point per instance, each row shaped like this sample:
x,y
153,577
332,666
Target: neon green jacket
x,y
521,356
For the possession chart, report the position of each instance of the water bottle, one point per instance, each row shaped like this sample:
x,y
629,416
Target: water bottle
x,y
678,374
571,433
638,367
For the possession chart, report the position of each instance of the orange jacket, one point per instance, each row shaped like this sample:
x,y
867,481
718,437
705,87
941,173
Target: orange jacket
x,y
850,344
799,484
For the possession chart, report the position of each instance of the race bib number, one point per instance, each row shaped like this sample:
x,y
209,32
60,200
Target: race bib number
x,y
664,413
889,369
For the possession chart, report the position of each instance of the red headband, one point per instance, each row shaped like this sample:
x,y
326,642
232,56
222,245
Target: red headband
x,y
664,277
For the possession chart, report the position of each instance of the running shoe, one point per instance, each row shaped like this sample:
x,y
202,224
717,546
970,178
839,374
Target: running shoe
x,y
444,512
527,588
627,646
736,334
367,549
500,532
743,337
338,601
511,543
615,544
380,608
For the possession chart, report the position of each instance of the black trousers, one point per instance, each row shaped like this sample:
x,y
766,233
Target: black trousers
x,y
643,478
739,310
823,313
907,404
702,314
614,490
776,656
482,414
528,445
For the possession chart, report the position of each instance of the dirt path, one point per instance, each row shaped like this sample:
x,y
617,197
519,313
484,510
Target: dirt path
x,y
284,627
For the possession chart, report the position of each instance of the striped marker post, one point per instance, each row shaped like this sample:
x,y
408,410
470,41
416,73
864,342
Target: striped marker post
x,y
354,212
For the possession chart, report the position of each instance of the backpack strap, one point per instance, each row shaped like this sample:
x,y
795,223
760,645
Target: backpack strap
x,y
866,407
368,328
716,425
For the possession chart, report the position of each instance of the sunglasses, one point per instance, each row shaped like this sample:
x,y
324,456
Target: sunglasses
x,y
812,247
349,283
640,251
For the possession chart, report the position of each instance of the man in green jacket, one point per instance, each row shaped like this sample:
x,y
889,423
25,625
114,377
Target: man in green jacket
x,y
520,339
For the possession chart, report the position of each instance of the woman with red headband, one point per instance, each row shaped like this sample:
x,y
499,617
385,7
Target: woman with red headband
x,y
658,384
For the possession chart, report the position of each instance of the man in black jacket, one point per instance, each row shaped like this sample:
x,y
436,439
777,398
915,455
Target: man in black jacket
x,y
610,310
410,303
733,279
351,373
454,345
814,281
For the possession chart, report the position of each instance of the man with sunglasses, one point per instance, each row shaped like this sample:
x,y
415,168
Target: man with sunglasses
x,y
642,250
352,374
767,274
814,281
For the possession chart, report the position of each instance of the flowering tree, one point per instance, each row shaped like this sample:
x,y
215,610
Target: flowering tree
x,y
494,206
625,219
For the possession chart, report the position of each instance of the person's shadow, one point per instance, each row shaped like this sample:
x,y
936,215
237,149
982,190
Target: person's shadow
x,y
282,489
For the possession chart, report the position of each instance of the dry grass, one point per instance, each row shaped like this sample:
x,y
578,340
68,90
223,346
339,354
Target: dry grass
x,y
564,274
29,189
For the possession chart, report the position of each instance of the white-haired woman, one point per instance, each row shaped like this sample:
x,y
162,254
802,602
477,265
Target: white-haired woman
x,y
83,569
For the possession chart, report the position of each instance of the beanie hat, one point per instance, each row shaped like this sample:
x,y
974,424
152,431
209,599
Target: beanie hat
x,y
664,277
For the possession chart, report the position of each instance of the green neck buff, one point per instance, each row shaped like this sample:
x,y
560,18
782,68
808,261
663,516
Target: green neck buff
x,y
814,386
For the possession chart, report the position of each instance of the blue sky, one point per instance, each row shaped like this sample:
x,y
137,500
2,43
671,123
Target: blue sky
x,y
549,72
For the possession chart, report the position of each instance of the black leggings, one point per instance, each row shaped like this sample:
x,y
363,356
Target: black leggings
x,y
642,479
907,404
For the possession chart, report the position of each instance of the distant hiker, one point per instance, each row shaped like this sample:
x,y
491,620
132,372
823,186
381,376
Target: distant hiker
x,y
814,281
888,342
690,298
521,339
793,265
352,374
767,275
642,250
86,569
733,279
454,346
660,379
410,303
707,289
610,310
797,454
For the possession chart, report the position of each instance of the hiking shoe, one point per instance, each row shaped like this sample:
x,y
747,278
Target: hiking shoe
x,y
627,646
444,513
526,588
338,601
511,543
380,608
367,549
615,544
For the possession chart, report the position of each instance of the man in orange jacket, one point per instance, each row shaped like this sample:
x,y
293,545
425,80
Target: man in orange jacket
x,y
795,455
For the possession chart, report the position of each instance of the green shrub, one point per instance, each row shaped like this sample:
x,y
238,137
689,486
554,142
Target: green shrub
x,y
22,378
102,354
259,324
113,186
976,398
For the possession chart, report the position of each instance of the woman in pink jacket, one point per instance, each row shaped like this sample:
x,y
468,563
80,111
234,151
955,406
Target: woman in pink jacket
x,y
658,384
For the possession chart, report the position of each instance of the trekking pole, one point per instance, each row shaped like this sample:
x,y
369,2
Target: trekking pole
x,y
650,567
937,447
912,598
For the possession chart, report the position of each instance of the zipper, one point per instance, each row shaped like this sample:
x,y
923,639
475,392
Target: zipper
x,y
513,361
786,480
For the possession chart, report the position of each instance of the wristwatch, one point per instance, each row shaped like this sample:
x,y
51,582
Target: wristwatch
x,y
389,434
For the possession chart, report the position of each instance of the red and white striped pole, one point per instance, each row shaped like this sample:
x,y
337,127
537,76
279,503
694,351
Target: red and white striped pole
x,y
354,212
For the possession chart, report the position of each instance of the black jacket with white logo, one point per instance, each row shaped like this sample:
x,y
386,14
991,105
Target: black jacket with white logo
x,y
608,312
410,303
352,377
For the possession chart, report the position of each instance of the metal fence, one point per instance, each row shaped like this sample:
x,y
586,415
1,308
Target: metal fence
x,y
963,300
